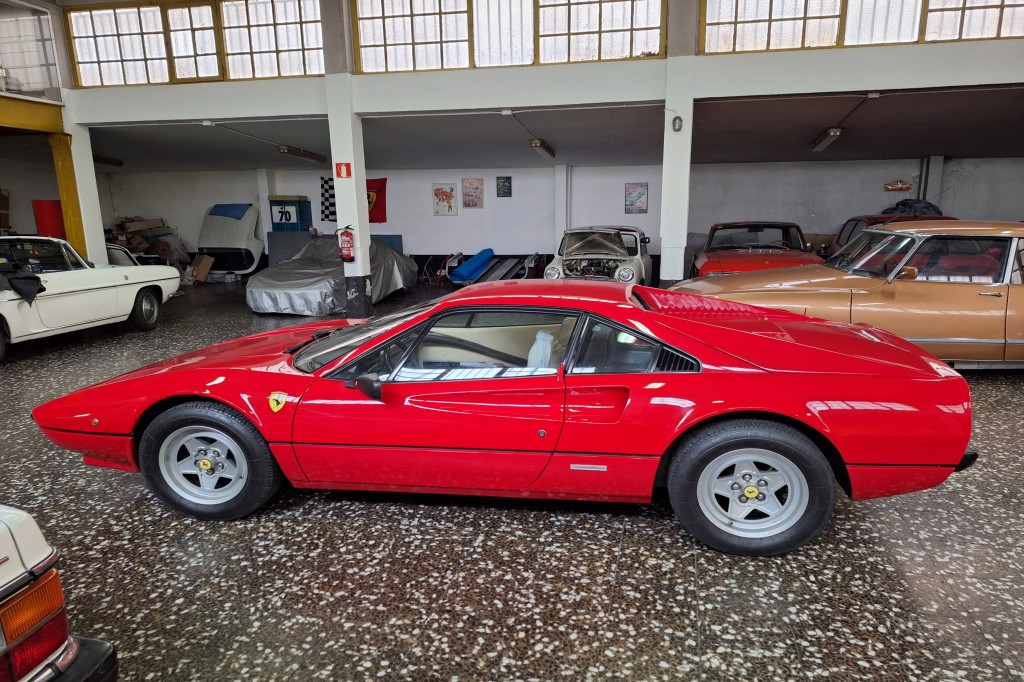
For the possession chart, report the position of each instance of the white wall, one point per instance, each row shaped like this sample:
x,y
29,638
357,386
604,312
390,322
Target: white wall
x,y
27,180
599,195
983,189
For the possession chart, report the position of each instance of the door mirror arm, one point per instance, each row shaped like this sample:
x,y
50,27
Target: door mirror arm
x,y
369,384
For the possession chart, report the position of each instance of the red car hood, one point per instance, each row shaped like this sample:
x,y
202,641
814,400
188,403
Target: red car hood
x,y
763,259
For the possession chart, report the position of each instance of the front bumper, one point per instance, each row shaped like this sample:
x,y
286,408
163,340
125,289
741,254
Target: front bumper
x,y
968,460
91,660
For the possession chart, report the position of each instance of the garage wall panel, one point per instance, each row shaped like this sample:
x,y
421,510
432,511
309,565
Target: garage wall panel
x,y
599,197
984,189
27,180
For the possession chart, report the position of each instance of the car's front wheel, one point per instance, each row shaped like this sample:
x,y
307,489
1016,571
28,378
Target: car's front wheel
x,y
751,487
146,311
208,461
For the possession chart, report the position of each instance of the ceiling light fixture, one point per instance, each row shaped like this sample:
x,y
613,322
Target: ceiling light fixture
x,y
826,138
542,148
302,154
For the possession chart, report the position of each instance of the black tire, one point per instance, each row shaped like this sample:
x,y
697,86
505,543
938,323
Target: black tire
x,y
146,311
208,462
781,489
3,342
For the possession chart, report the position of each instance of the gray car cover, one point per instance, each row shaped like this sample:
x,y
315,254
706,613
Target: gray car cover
x,y
313,281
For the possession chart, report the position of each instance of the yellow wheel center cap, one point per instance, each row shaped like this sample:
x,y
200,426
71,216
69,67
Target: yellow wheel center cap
x,y
750,491
205,464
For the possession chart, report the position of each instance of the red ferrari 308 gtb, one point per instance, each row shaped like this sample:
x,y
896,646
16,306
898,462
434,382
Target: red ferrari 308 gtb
x,y
550,389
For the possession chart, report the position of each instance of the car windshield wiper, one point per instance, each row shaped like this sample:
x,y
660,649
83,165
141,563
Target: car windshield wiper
x,y
292,350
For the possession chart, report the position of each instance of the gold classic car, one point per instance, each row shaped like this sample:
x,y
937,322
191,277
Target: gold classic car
x,y
953,288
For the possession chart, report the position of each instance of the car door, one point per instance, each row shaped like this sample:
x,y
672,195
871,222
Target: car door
x,y
468,401
956,305
1015,305
75,293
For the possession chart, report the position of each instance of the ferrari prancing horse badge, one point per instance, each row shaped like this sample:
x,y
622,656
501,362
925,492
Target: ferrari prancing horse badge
x,y
277,400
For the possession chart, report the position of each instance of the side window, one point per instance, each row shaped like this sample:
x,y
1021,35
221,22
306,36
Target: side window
x,y
610,349
490,345
949,259
383,360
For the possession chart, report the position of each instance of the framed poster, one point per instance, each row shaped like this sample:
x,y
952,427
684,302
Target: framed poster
x,y
504,183
636,197
472,192
446,199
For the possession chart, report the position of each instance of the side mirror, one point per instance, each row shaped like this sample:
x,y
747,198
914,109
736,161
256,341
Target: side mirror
x,y
369,384
808,247
906,272
645,240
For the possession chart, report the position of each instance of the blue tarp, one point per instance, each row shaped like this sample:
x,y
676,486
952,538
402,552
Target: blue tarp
x,y
473,268
236,211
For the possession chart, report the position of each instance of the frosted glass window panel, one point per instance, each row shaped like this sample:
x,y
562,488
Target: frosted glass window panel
x,y
554,20
177,19
721,10
615,45
291,63
371,32
787,9
372,59
261,12
81,24
104,23
111,73
427,29
943,25
822,8
425,6
646,43
616,16
155,46
821,32
751,10
108,48
207,66
646,13
428,57
206,42
454,5
262,38
981,3
400,58
286,11
289,37
202,17
236,40
85,48
131,47
369,8
751,36
157,71
456,55
871,23
786,35
135,73
89,74
981,23
152,20
310,10
583,48
398,30
181,44
233,14
264,64
315,62
128,21
945,4
239,66
312,35
584,18
554,50
394,8
1013,22
456,27
719,38
503,32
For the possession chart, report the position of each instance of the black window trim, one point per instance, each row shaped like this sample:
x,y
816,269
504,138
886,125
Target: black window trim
x,y
572,355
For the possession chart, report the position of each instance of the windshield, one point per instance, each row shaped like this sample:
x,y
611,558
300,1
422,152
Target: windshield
x,y
756,237
346,339
584,243
873,254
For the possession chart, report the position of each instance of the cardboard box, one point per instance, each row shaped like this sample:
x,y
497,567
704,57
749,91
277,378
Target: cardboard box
x,y
138,225
199,269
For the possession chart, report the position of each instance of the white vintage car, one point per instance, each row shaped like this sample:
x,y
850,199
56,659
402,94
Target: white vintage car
x,y
46,288
34,640
602,252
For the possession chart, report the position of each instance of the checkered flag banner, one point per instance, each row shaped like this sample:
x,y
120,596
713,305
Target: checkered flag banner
x,y
327,208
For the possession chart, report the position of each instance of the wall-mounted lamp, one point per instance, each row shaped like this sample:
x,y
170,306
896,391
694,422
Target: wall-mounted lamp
x,y
677,123
302,154
542,148
826,138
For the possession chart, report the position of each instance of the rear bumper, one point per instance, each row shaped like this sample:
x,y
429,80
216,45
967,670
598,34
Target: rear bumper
x,y
868,481
968,460
91,660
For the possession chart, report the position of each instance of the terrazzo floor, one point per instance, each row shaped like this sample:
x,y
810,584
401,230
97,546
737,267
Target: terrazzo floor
x,y
352,586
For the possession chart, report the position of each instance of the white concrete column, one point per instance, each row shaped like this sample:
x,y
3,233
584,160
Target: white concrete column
x,y
265,188
88,192
675,174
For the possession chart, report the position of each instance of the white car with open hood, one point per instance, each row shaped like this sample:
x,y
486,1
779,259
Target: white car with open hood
x,y
608,252
46,288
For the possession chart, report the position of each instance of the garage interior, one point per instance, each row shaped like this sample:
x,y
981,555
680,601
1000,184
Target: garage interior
x,y
354,585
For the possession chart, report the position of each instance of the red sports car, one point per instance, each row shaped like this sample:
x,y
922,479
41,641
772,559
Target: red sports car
x,y
752,245
549,389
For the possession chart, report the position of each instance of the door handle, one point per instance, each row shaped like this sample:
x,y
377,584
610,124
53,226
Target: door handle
x,y
991,293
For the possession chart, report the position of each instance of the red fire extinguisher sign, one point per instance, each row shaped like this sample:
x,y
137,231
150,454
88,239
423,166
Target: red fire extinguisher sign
x,y
343,170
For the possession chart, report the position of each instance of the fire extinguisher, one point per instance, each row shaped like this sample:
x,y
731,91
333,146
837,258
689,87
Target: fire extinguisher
x,y
346,242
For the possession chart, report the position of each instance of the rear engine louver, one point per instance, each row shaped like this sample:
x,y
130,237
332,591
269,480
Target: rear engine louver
x,y
671,361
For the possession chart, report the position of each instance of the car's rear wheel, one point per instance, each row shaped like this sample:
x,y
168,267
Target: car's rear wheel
x,y
146,311
209,462
751,487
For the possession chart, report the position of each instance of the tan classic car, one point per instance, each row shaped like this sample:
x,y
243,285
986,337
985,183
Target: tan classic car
x,y
953,288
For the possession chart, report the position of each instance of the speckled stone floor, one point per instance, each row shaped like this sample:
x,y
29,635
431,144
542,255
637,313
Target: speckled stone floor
x,y
340,586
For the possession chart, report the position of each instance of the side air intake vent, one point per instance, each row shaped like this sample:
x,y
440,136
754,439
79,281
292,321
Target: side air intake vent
x,y
671,361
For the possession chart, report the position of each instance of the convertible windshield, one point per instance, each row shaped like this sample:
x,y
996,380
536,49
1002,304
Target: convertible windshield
x,y
756,236
346,339
873,254
587,243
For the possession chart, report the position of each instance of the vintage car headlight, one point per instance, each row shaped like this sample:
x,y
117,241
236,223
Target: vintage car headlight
x,y
625,275
551,272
